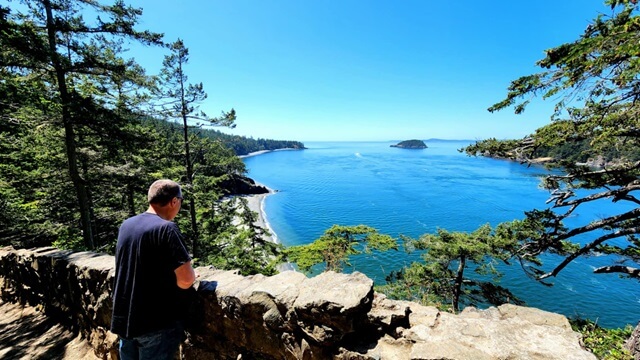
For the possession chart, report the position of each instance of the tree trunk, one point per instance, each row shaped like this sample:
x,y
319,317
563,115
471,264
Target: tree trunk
x,y
189,167
84,176
457,286
69,133
130,199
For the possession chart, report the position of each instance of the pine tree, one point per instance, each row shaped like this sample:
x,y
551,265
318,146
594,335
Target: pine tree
x,y
180,102
442,279
336,245
52,39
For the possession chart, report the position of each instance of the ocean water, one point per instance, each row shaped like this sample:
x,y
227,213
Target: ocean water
x,y
413,192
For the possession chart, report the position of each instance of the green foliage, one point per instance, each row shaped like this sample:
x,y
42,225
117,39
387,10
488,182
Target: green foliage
x,y
233,240
53,42
411,144
69,239
606,344
79,145
242,145
181,102
493,148
32,185
335,246
440,280
595,81
561,151
181,98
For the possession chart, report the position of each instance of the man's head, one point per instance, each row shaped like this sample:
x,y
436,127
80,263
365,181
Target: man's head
x,y
165,198
161,192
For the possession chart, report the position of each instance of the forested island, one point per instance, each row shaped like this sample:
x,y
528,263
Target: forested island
x,y
410,144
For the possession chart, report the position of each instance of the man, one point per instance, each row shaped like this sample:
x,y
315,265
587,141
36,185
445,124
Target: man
x,y
152,266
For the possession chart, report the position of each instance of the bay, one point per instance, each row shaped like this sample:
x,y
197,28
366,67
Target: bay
x,y
413,192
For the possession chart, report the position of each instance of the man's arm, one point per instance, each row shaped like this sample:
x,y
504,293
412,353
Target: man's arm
x,y
185,276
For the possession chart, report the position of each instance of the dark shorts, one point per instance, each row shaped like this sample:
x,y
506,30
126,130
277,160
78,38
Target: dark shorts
x,y
157,345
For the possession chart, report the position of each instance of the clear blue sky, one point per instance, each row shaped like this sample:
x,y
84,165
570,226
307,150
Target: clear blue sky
x,y
366,70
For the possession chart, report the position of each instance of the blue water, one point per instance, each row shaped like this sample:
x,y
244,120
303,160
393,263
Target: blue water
x,y
413,192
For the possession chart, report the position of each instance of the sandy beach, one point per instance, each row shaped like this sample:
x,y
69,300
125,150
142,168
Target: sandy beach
x,y
264,152
256,204
254,153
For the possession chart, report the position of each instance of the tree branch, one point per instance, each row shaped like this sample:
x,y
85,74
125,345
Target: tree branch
x,y
632,272
616,194
634,166
610,221
587,248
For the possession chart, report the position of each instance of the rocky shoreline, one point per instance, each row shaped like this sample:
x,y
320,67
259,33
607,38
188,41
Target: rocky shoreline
x,y
594,163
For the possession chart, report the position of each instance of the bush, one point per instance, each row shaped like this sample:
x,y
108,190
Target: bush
x,y
606,344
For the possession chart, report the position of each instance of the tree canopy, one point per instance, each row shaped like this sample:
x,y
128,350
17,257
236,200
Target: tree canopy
x,y
79,144
336,245
51,41
447,256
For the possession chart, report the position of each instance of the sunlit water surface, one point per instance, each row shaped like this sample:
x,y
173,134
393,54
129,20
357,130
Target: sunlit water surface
x,y
412,192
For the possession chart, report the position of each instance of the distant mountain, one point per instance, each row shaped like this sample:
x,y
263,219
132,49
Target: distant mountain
x,y
411,144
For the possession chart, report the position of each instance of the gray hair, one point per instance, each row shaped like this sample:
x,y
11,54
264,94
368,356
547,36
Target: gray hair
x,y
162,191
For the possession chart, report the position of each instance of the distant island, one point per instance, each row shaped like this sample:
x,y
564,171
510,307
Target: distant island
x,y
411,144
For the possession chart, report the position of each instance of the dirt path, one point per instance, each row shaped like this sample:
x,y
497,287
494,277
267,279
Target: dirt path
x,y
26,333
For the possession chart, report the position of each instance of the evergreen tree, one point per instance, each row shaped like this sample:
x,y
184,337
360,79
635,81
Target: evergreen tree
x,y
32,189
234,241
78,145
335,246
51,39
181,101
441,279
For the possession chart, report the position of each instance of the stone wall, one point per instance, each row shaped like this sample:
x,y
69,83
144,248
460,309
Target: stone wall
x,y
288,316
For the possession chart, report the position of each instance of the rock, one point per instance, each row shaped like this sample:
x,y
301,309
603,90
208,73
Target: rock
x,y
330,305
389,313
289,316
633,344
242,185
425,315
507,332
387,348
532,315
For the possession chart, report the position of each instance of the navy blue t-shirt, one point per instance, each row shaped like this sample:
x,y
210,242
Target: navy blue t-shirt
x,y
146,296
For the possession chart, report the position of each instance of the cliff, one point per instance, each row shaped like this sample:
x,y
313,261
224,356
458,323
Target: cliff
x,y
288,316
